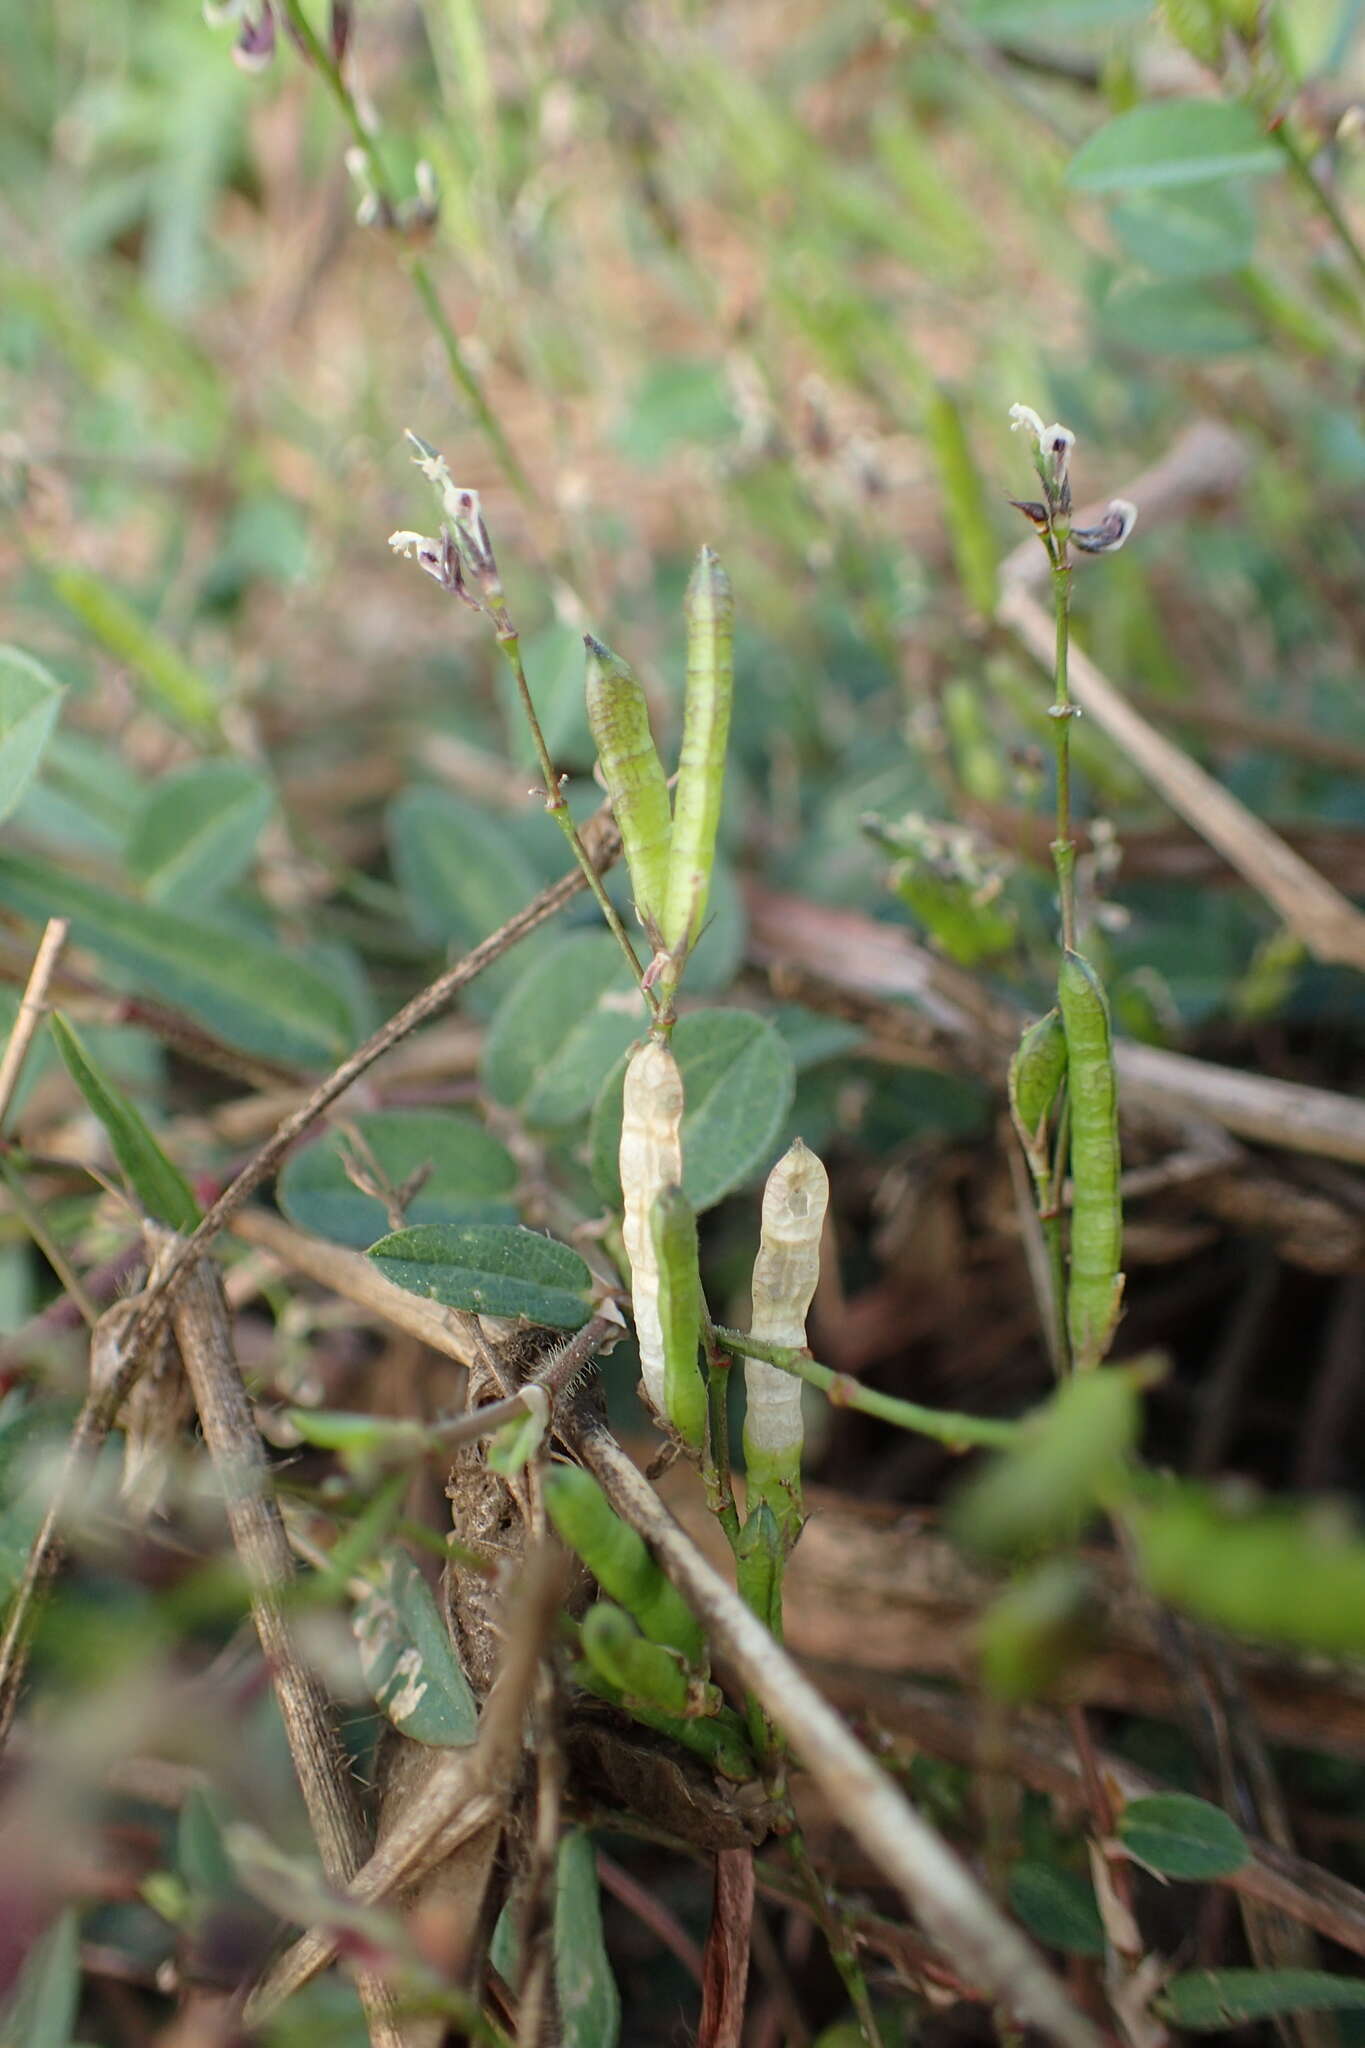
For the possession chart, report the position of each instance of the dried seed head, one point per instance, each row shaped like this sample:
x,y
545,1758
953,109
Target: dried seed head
x,y
650,1160
1113,530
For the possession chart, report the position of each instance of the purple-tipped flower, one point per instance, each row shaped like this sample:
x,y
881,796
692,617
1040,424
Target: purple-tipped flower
x,y
255,45
1113,530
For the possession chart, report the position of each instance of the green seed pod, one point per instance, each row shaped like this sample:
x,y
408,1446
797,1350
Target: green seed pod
x,y
619,1561
785,1275
719,1739
1095,1285
651,1160
709,606
673,1230
642,1672
759,1558
633,774
1036,1074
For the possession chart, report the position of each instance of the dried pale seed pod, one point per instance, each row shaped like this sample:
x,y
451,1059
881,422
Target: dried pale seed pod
x,y
710,609
785,1273
651,1160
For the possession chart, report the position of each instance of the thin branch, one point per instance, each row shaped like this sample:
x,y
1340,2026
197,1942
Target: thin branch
x,y
606,845
32,1010
957,1432
960,1916
203,1332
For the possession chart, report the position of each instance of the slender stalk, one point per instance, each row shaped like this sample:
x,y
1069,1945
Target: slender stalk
x,y
720,1494
34,1223
32,1009
556,803
956,1432
1321,194
837,1926
1063,711
334,79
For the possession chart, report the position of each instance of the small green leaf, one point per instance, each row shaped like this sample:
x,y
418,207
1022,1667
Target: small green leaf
x,y
43,2010
560,1029
1188,230
1168,317
490,1269
1174,142
245,992
200,1855
160,1187
1282,1573
170,680
409,1661
1178,1835
589,2005
1070,1450
360,1441
738,1081
1206,2001
467,1176
462,874
196,834
1057,1907
30,699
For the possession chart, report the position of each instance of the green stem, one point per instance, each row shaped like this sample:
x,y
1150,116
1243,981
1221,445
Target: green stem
x,y
1321,194
557,804
720,1493
1063,711
32,1220
957,1432
332,76
836,1925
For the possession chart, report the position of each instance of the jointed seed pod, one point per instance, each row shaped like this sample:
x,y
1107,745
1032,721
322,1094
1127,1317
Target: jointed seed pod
x,y
633,774
785,1273
709,606
1036,1075
718,1739
651,1160
673,1233
619,1561
643,1672
1095,1285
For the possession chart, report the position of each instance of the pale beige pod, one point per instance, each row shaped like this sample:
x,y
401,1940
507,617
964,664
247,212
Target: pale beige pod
x,y
785,1275
651,1160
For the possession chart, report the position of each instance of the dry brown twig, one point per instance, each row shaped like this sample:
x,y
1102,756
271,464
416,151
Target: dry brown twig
x,y
32,1010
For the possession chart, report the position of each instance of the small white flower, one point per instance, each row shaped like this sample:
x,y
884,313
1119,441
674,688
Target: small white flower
x,y
408,544
1025,416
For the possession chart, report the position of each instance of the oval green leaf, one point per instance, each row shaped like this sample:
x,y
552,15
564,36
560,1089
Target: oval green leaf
x,y
467,1175
42,2012
589,2004
462,873
1175,319
1178,1835
1206,2001
196,834
160,1187
408,1660
559,1031
244,991
490,1269
1188,230
1057,1907
30,699
1174,142
738,1081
